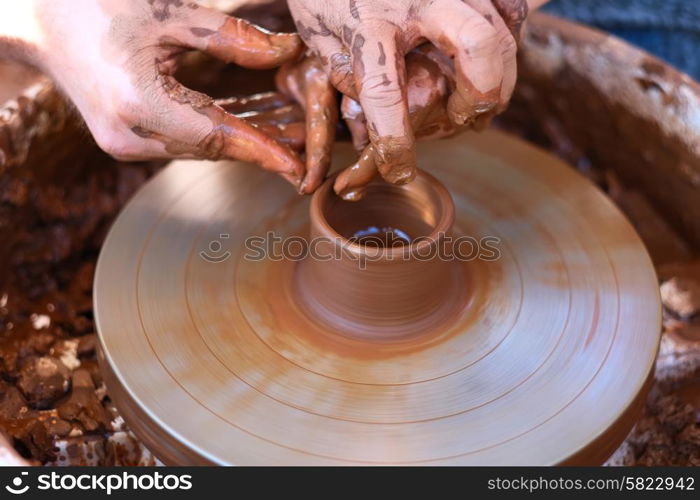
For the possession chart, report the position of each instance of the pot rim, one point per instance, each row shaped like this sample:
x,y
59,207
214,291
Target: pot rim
x,y
440,228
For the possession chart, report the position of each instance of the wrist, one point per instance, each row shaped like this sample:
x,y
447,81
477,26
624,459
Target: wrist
x,y
20,34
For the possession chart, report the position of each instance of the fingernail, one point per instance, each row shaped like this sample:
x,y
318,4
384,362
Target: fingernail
x,y
302,187
340,184
353,194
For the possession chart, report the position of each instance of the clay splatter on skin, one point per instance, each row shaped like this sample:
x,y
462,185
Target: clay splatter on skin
x,y
172,146
400,65
182,95
653,68
202,32
357,45
347,34
324,31
353,10
142,132
341,74
306,32
382,56
213,145
161,8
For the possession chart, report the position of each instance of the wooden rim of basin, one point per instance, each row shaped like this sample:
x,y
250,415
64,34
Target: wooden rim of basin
x,y
210,360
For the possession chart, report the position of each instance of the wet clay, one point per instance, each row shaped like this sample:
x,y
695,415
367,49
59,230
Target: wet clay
x,y
275,114
308,84
426,91
241,42
379,291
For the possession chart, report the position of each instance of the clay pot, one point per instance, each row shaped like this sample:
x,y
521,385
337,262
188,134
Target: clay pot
x,y
379,268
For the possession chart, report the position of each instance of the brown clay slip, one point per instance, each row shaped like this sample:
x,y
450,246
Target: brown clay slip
x,y
426,91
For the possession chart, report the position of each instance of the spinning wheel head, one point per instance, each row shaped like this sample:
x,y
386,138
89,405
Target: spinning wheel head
x,y
537,353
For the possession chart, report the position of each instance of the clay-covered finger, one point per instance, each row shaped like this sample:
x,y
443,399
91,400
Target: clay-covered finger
x,y
444,62
350,184
508,47
235,40
354,117
337,63
341,74
290,82
461,32
286,114
426,89
289,134
307,83
263,101
187,123
232,137
380,81
321,119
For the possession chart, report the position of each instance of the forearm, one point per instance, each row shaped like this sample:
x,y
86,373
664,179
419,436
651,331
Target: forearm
x,y
20,34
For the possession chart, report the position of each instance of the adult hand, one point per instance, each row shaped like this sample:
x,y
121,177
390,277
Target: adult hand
x,y
306,83
116,60
361,45
430,79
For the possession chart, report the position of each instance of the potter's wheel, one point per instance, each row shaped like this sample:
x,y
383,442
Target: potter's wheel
x,y
211,361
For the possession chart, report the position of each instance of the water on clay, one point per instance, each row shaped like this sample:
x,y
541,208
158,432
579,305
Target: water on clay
x,y
386,217
382,237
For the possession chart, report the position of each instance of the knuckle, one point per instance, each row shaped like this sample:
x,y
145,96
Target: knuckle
x,y
126,116
116,144
125,111
381,99
381,90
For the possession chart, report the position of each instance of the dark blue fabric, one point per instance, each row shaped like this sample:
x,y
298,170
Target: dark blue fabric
x,y
669,29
